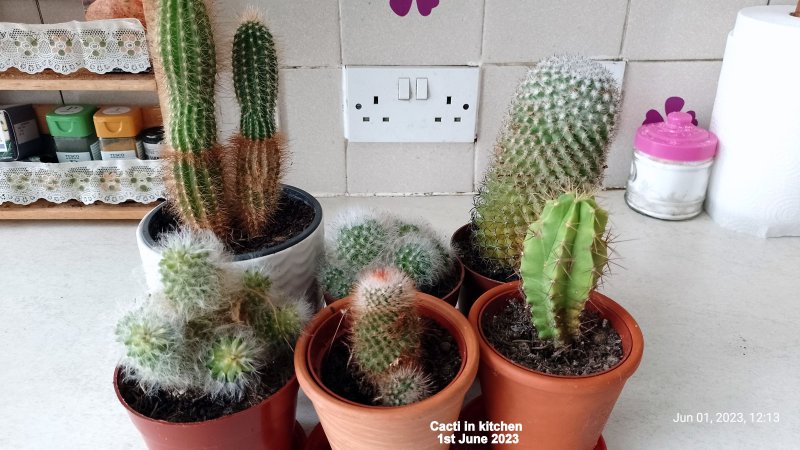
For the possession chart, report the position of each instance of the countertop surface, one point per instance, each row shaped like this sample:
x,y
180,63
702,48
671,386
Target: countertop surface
x,y
719,310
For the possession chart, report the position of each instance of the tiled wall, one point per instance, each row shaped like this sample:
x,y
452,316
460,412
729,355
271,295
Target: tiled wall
x,y
670,47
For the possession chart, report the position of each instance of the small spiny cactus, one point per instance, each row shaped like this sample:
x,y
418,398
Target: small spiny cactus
x,y
213,330
386,335
565,255
555,138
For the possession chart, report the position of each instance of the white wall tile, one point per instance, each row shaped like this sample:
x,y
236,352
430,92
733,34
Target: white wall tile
x,y
782,2
311,115
680,29
409,168
21,11
528,30
306,31
57,11
647,86
498,86
372,34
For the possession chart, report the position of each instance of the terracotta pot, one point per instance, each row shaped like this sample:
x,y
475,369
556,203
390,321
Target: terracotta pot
x,y
556,412
352,426
269,425
451,298
475,284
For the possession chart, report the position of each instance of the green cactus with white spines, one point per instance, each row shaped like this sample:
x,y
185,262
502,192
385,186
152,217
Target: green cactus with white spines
x,y
556,137
232,189
212,330
362,238
386,336
565,255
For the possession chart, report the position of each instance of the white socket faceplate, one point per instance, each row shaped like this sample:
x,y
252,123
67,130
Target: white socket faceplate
x,y
411,104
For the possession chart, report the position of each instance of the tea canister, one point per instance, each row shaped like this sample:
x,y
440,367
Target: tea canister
x,y
118,128
670,170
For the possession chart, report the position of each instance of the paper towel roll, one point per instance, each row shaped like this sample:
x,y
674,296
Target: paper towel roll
x,y
755,183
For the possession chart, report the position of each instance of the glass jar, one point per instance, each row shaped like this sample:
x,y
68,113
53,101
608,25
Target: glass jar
x,y
670,169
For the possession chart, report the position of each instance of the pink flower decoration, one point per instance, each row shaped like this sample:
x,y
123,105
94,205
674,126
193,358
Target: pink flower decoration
x,y
402,7
673,104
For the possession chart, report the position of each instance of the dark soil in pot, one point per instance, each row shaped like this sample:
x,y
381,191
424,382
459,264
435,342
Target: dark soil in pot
x,y
469,255
193,408
292,218
440,359
511,333
446,285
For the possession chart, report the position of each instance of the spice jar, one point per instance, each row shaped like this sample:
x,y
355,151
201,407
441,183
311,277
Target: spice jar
x,y
118,128
153,141
670,170
73,132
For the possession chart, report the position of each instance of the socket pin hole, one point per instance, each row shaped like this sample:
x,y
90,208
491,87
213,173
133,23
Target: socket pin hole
x,y
437,119
365,119
466,106
449,100
375,100
457,119
385,119
358,105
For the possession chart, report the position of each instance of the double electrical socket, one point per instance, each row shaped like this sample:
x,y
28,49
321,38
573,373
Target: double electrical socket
x,y
411,104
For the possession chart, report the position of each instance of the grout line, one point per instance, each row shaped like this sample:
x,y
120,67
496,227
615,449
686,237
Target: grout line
x,y
625,28
412,194
342,102
532,63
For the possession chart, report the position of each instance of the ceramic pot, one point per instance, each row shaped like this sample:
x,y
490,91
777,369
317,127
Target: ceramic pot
x,y
269,425
451,298
293,264
353,426
556,412
474,284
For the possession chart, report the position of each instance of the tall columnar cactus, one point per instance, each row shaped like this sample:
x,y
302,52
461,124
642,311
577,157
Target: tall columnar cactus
x,y
186,45
258,149
231,189
555,138
565,255
211,331
362,238
386,334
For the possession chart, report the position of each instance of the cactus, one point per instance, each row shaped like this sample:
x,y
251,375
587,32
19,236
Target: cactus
x,y
212,330
259,151
363,238
186,45
233,189
556,137
564,257
386,334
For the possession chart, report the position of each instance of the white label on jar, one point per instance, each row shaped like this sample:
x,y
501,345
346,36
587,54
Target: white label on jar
x,y
153,150
73,157
69,109
116,110
127,154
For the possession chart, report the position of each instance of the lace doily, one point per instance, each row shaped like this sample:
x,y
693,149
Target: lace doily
x,y
107,181
100,46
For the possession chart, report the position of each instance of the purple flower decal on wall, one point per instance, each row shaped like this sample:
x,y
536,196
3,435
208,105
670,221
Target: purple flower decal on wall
x,y
673,104
402,7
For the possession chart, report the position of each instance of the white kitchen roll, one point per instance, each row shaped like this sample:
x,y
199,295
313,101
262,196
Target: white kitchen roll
x,y
755,182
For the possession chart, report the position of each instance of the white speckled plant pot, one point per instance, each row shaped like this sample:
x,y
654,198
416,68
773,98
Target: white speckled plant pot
x,y
293,264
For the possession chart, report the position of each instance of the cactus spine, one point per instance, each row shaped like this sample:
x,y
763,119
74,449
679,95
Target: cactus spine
x,y
555,138
231,189
386,337
212,330
259,151
565,255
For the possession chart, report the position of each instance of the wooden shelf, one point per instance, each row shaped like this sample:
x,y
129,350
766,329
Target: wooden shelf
x,y
74,210
83,80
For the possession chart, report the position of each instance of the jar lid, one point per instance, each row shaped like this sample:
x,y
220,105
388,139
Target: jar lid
x,y
154,135
677,139
118,121
71,121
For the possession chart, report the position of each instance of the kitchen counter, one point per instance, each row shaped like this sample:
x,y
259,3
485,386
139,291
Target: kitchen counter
x,y
719,310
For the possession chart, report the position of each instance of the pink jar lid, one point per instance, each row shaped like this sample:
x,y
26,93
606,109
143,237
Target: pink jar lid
x,y
677,139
